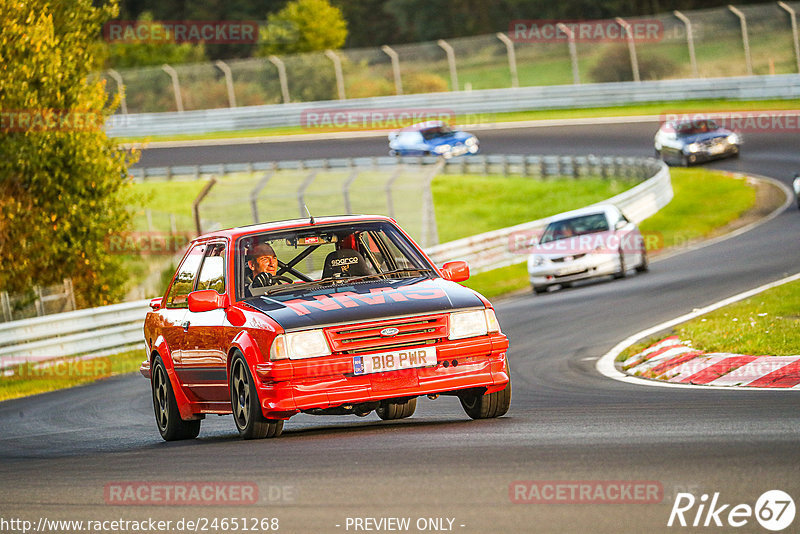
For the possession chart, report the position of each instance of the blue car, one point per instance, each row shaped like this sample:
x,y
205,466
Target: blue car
x,y
692,141
433,138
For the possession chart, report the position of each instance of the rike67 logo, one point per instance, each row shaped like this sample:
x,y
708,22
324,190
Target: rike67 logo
x,y
774,510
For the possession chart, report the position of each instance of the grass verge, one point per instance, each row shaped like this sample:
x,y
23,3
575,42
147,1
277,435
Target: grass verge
x,y
654,108
767,323
29,379
704,202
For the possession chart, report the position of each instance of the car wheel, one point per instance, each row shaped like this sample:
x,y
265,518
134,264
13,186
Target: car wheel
x,y
623,269
735,153
250,421
168,417
684,160
396,410
539,289
480,406
657,154
393,153
644,266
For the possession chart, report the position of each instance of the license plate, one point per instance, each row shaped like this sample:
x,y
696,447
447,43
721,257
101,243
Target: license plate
x,y
717,149
394,361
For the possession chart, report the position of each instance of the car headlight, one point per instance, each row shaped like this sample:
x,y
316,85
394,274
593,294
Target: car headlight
x,y
299,345
537,260
472,324
694,147
441,149
733,139
471,141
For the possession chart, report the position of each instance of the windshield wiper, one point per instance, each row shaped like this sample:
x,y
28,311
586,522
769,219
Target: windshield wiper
x,y
386,273
340,280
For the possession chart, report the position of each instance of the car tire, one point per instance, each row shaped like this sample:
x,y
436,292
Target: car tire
x,y
684,160
539,289
480,406
396,410
644,266
168,417
658,154
250,421
623,269
393,153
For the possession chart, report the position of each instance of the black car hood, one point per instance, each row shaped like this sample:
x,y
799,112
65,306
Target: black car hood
x,y
364,301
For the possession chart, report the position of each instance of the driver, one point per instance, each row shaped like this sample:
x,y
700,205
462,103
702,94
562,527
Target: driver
x,y
263,263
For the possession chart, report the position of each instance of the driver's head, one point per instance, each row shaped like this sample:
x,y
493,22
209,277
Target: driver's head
x,y
261,258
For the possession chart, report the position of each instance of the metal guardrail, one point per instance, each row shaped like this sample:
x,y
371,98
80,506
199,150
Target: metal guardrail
x,y
110,329
783,86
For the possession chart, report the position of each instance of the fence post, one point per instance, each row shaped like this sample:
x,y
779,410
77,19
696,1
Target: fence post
x,y
745,40
451,61
198,200
301,192
389,201
430,234
689,40
337,68
573,51
5,303
348,208
275,60
226,70
257,191
793,19
398,81
176,86
512,57
123,103
631,48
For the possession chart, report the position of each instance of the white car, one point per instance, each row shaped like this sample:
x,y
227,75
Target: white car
x,y
796,185
585,243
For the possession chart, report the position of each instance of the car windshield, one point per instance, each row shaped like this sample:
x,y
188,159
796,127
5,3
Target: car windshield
x,y
695,127
320,255
587,224
439,131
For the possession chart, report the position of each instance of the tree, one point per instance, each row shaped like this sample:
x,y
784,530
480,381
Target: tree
x,y
63,183
304,26
125,55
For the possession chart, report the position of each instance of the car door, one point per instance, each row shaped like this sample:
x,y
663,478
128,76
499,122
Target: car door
x,y
176,303
203,358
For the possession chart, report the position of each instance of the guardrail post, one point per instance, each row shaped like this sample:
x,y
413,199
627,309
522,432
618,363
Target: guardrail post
x,y
176,86
337,68
573,51
512,57
451,61
226,70
275,60
631,48
348,208
745,40
198,200
123,103
301,192
689,40
257,190
398,81
793,19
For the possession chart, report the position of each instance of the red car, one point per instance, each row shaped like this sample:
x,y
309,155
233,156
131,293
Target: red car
x,y
338,315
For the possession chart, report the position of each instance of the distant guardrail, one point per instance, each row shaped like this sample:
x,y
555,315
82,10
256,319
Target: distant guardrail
x,y
479,102
110,329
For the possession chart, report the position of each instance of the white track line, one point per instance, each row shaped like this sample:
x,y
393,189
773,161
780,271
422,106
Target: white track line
x,y
606,367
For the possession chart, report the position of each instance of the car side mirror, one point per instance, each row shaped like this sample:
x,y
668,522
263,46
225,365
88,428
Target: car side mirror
x,y
206,300
620,225
155,304
455,271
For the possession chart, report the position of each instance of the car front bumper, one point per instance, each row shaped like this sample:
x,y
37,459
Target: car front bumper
x,y
550,273
286,388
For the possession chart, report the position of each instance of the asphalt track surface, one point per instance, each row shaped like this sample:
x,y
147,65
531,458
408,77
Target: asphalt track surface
x,y
567,422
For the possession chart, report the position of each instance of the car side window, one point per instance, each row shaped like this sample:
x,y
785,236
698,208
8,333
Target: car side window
x,y
183,283
212,273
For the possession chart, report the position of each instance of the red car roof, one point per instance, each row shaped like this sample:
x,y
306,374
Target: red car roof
x,y
233,233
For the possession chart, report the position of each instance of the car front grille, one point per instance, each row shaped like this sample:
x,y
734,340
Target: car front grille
x,y
568,258
412,331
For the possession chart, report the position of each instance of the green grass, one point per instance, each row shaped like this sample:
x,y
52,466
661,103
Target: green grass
x,y
26,380
704,202
654,108
765,324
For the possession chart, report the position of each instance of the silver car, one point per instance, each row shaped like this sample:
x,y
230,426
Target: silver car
x,y
796,185
585,243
